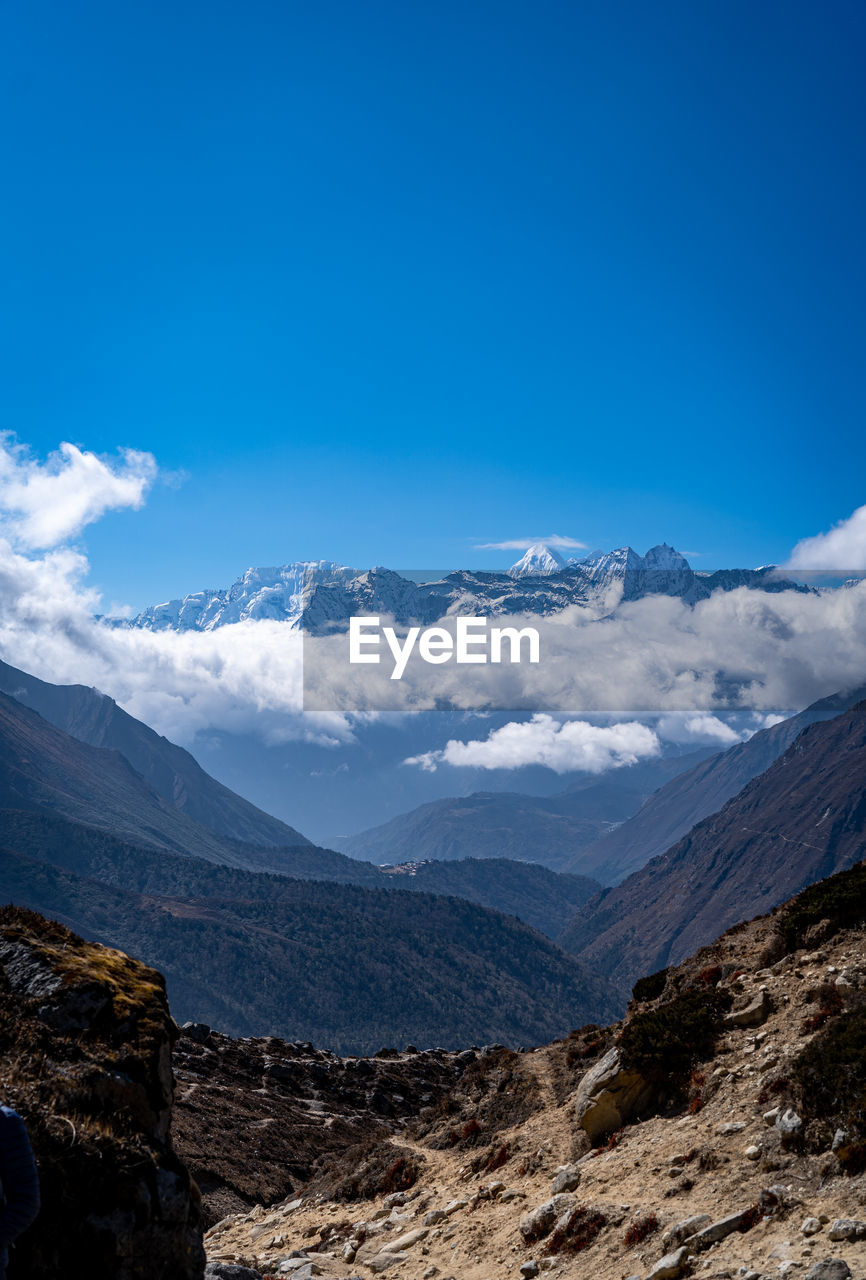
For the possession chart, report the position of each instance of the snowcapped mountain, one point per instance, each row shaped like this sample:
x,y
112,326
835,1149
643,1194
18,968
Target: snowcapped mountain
x,y
321,596
538,561
665,558
281,593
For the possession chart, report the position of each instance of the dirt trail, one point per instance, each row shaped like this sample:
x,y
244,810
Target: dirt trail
x,y
716,1159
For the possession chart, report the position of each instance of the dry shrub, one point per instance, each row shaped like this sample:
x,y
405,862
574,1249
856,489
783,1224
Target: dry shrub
x,y
577,1232
640,1229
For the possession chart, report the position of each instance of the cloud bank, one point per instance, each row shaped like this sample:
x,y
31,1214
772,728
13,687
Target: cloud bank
x,y
245,678
654,658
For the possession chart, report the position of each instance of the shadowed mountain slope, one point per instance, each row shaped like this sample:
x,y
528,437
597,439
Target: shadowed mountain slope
x,y
353,968
801,820
549,830
693,795
97,720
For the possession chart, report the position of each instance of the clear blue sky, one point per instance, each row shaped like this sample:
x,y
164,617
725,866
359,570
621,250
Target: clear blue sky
x,y
387,279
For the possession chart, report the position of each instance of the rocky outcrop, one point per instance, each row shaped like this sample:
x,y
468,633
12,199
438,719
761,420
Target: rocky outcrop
x,y
85,1054
610,1095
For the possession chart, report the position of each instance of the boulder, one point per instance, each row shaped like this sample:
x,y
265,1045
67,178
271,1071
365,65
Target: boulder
x,y
670,1266
829,1269
847,1229
756,1012
384,1261
453,1205
687,1227
567,1179
789,1126
610,1095
406,1241
717,1231
395,1198
539,1221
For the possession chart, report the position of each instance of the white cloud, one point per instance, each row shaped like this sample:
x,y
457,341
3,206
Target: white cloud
x,y
522,544
43,504
701,729
767,721
564,746
843,548
245,677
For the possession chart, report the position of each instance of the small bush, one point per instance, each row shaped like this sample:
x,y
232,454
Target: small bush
x,y
577,1232
640,1229
840,900
830,1075
464,1132
497,1158
773,1088
364,1172
829,1001
665,1043
649,988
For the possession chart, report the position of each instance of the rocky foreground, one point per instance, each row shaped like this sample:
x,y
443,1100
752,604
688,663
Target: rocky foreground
x,y
689,1140
719,1130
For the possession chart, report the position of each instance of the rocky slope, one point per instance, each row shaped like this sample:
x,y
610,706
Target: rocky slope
x,y
85,1058
802,819
717,1132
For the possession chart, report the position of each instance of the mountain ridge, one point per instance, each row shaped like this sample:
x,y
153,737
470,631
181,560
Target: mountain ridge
x,y
321,595
687,799
802,819
96,720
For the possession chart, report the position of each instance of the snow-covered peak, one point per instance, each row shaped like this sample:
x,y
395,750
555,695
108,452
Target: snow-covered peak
x,y
538,561
664,557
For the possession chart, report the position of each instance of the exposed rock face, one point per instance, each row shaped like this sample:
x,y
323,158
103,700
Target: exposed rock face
x,y
85,1054
610,1095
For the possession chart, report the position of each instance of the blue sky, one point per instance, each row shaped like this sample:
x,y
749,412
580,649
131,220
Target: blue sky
x,y
384,280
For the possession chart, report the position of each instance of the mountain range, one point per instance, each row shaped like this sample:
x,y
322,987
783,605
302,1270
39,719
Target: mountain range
x,y
263,935
87,839
320,596
550,830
